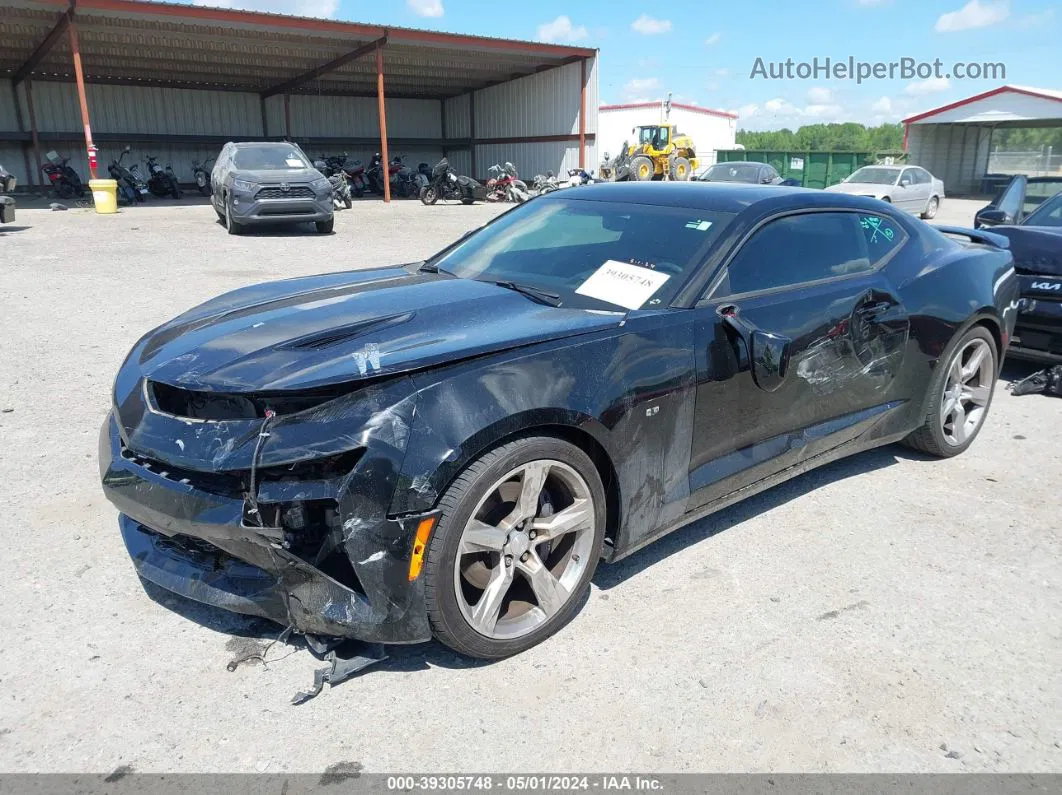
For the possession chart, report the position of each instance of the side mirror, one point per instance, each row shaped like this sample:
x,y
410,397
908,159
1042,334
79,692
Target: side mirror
x,y
767,180
905,182
992,217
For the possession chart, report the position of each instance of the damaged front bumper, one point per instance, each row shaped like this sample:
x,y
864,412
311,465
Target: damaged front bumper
x,y
316,550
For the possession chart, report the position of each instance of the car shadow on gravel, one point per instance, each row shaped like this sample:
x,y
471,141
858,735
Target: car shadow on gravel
x,y
609,576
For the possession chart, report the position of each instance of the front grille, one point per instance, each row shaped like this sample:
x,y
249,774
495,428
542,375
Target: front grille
x,y
294,192
223,484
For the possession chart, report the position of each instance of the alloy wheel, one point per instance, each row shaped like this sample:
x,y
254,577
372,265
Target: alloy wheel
x,y
524,550
967,391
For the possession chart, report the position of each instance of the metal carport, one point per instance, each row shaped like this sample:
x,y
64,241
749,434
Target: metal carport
x,y
178,81
954,141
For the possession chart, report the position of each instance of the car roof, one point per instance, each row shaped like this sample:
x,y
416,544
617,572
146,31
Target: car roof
x,y
253,144
1045,179
727,197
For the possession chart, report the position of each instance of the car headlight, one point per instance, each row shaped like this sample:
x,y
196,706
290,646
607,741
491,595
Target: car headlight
x,y
321,184
242,184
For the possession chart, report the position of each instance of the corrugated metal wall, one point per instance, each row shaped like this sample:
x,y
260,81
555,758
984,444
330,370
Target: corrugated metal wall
x,y
955,153
544,104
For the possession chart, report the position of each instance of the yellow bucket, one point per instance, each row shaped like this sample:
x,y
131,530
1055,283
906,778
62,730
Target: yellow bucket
x,y
104,195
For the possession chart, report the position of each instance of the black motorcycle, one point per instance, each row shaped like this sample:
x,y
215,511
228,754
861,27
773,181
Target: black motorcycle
x,y
131,189
201,175
446,184
374,175
7,204
332,168
161,181
65,181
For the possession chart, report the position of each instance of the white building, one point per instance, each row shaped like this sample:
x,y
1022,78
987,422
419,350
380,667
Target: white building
x,y
709,129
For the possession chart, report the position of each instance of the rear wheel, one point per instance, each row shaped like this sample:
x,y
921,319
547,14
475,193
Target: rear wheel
x,y
680,169
960,394
326,227
347,201
931,208
642,169
516,546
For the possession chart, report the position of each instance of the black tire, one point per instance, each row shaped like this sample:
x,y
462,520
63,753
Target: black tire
x,y
457,504
642,169
680,169
929,438
326,227
468,201
931,208
64,190
347,202
231,226
429,195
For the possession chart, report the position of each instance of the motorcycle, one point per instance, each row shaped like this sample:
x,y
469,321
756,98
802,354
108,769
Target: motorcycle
x,y
545,184
131,189
579,176
7,204
331,168
446,184
404,182
65,181
505,185
161,181
201,175
355,173
374,175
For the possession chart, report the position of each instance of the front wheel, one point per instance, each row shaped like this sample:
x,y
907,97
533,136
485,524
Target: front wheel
x,y
960,393
642,169
931,208
231,226
517,543
64,190
680,169
429,195
347,201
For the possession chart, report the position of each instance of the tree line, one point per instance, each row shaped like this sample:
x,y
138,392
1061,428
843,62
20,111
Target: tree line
x,y
853,137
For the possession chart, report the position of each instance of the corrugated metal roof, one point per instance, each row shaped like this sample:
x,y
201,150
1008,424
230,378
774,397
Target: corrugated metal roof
x,y
1041,93
151,43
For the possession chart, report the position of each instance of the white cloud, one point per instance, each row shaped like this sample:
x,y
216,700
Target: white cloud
x,y
883,105
819,95
426,8
302,8
975,14
722,72
713,39
778,105
823,111
561,29
745,111
650,26
640,89
873,3
931,85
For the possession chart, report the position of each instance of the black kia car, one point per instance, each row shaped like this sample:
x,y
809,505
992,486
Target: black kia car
x,y
448,448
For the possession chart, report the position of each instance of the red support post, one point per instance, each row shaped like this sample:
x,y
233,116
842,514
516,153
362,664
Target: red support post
x,y
386,175
80,76
582,114
38,179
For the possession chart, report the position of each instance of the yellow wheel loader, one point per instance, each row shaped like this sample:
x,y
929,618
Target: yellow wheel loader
x,y
660,151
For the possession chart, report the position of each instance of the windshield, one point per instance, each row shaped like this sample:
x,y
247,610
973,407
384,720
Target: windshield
x,y
1047,214
874,176
733,172
558,244
269,158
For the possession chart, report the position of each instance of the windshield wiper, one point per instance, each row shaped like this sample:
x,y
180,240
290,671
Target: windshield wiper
x,y
543,297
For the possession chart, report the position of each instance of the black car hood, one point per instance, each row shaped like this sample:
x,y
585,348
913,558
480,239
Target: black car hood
x,y
343,327
1037,249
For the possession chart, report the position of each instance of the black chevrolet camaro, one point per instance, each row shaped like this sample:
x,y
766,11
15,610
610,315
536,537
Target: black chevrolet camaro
x,y
447,449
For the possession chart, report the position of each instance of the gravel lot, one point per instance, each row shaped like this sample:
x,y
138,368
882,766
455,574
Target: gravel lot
x,y
885,613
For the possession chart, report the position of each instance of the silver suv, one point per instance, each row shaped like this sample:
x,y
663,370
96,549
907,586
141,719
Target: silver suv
x,y
269,183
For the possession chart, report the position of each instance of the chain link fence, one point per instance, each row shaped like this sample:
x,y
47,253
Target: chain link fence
x,y
1046,161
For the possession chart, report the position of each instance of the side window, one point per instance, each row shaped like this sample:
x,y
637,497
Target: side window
x,y
882,236
802,248
1011,200
769,173
907,174
921,177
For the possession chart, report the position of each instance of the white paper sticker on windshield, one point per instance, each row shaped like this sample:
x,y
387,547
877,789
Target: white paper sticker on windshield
x,y
622,284
699,225
294,162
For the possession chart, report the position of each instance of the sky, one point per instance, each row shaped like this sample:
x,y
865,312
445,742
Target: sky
x,y
705,54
